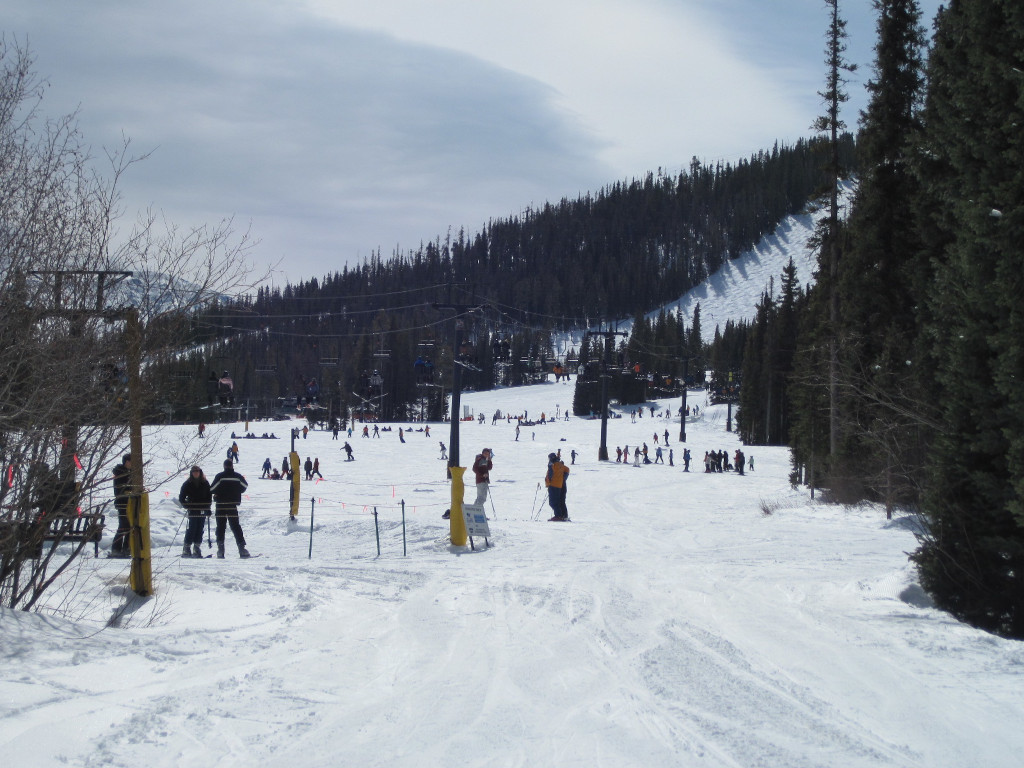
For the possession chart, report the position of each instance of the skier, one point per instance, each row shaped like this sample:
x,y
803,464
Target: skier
x,y
227,488
267,466
444,451
481,468
316,469
308,467
119,547
195,497
348,451
555,480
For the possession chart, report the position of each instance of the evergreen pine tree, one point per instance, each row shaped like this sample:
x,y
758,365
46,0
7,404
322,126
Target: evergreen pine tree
x,y
878,307
972,558
831,125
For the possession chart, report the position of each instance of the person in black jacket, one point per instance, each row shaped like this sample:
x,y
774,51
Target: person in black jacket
x,y
195,497
228,487
122,483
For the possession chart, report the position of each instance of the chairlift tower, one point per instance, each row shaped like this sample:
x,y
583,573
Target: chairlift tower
x,y
602,451
140,576
457,365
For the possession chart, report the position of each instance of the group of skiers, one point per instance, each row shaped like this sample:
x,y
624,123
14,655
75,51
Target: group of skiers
x,y
718,461
197,494
555,480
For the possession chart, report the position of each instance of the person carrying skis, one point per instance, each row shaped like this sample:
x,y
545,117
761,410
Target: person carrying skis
x,y
482,467
195,497
227,488
555,480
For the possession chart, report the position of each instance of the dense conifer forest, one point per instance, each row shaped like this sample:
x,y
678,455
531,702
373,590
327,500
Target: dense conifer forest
x,y
564,267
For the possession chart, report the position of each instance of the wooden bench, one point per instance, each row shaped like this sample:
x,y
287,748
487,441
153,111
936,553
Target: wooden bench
x,y
85,527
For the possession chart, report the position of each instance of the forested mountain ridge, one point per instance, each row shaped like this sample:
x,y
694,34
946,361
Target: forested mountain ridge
x,y
623,251
626,249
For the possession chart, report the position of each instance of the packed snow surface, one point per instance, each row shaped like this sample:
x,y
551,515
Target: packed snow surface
x,y
681,619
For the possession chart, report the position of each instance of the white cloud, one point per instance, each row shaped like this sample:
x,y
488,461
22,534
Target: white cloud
x,y
338,126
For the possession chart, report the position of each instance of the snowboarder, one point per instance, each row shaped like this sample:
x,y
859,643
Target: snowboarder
x,y
348,451
227,488
195,497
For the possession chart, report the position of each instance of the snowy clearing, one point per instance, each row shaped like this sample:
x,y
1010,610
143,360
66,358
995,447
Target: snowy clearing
x,y
672,623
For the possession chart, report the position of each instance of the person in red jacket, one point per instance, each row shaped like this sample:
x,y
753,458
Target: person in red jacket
x,y
482,467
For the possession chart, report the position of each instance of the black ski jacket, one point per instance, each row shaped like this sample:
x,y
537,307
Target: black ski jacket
x,y
195,494
228,487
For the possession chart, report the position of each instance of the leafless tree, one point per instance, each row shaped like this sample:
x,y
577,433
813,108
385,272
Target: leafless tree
x,y
63,300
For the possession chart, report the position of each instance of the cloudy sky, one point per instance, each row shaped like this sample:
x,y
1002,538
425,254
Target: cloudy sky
x,y
332,128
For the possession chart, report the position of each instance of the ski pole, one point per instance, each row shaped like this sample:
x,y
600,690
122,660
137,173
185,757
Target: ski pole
x,y
536,512
534,504
494,512
209,541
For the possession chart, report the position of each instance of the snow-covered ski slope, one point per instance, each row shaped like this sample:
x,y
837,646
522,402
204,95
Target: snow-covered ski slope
x,y
673,623
732,293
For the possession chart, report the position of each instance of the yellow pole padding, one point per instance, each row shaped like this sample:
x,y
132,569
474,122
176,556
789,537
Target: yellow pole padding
x,y
293,457
140,578
456,519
